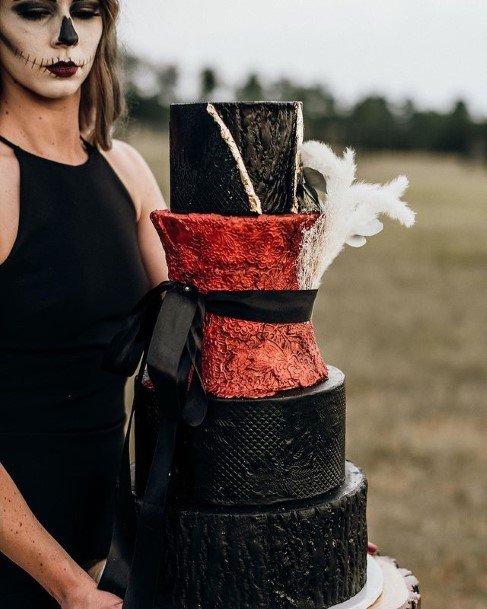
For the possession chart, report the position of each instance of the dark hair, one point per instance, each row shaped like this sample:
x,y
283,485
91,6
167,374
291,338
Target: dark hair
x,y
102,95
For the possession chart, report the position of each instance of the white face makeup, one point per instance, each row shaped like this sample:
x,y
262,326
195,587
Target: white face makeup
x,y
39,37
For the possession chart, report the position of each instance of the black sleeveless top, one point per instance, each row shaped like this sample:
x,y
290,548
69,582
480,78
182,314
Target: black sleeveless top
x,y
73,275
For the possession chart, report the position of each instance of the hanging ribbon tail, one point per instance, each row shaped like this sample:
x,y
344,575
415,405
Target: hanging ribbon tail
x,y
115,575
123,356
149,544
124,352
172,327
168,365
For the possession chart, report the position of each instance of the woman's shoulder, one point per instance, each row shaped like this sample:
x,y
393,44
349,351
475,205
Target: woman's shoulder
x,y
7,157
9,173
9,200
126,155
135,173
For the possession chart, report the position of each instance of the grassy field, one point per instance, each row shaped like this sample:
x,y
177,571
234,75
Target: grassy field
x,y
406,318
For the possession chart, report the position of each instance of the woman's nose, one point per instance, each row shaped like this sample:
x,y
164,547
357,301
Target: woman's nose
x,y
67,33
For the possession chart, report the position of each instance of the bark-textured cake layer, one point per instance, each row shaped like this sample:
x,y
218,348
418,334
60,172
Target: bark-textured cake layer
x,y
300,555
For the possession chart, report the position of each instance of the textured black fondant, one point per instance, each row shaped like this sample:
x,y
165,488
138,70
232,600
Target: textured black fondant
x,y
300,555
204,174
257,451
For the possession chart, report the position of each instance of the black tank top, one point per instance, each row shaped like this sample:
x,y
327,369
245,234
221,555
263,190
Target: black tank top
x,y
72,276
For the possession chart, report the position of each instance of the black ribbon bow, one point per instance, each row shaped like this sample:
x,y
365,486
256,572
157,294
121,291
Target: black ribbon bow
x,y
166,334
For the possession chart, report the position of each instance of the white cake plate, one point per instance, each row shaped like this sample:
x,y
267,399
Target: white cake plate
x,y
370,592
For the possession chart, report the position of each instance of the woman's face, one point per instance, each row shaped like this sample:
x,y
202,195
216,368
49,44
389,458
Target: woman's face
x,y
38,36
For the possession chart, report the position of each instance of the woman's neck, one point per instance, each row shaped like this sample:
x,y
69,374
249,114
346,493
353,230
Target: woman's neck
x,y
49,127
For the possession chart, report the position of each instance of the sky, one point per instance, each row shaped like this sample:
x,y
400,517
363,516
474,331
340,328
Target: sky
x,y
433,51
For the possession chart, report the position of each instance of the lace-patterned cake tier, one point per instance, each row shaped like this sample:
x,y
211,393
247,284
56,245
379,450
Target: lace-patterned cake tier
x,y
243,358
254,451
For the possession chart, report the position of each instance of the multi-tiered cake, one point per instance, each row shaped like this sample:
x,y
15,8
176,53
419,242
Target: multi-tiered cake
x,y
261,510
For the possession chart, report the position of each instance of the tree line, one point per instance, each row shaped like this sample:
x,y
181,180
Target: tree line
x,y
372,123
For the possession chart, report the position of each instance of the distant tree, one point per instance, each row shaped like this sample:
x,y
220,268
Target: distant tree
x,y
479,147
147,109
425,130
456,136
209,81
319,107
150,88
130,64
372,124
403,117
251,90
407,110
283,89
167,80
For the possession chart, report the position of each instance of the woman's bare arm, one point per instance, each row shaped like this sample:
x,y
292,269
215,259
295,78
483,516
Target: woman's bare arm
x,y
27,543
150,246
150,198
135,173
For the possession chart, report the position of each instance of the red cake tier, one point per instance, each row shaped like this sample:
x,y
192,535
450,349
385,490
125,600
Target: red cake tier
x,y
212,252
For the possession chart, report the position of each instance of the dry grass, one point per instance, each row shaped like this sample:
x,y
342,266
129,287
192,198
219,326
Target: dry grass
x,y
406,318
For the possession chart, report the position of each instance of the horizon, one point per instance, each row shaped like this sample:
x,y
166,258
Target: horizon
x,y
434,73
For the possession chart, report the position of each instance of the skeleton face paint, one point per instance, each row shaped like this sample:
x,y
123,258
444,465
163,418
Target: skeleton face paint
x,y
48,46
68,35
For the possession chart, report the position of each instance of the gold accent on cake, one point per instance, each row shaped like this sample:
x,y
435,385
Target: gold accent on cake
x,y
254,201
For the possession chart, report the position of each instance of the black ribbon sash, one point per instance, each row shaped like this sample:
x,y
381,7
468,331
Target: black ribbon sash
x,y
166,334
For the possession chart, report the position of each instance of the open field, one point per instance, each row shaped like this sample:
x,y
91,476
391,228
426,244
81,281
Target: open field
x,y
406,318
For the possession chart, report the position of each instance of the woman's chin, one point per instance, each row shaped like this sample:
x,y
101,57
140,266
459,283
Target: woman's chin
x,y
56,88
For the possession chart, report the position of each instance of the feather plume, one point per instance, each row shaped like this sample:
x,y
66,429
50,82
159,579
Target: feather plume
x,y
348,211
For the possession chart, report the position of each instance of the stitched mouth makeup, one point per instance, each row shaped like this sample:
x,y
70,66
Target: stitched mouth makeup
x,y
55,65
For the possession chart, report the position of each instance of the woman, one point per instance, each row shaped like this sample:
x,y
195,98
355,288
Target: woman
x,y
77,251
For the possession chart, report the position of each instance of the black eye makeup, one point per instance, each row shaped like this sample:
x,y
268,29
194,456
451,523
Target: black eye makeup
x,y
85,10
35,11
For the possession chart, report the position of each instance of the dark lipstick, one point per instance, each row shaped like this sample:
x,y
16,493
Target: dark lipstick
x,y
64,69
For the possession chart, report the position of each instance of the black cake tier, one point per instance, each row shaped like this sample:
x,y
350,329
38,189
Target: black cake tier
x,y
264,511
235,158
298,555
254,451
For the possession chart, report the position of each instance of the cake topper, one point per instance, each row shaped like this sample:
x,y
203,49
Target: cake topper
x,y
348,210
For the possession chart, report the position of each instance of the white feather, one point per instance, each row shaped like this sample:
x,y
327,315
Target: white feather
x,y
349,212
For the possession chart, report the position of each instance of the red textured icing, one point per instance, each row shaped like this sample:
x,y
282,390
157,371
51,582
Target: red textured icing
x,y
242,358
